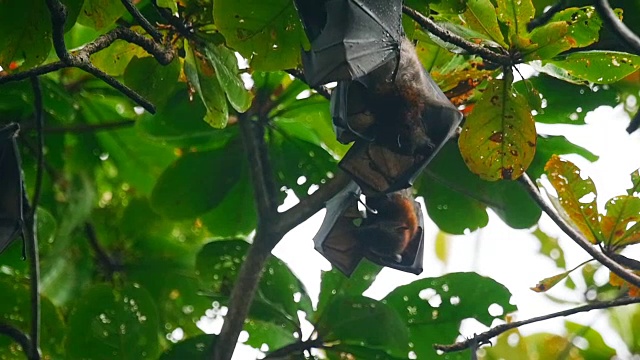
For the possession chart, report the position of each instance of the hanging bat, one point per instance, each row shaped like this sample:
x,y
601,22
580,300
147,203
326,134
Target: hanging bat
x,y
389,232
384,101
11,187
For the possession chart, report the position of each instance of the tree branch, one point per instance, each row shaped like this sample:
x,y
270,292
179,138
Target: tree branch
x,y
616,268
487,335
634,124
547,15
448,36
146,25
285,351
611,20
104,259
320,89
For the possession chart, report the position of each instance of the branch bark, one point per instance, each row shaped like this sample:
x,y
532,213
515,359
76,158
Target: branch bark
x,y
487,335
611,20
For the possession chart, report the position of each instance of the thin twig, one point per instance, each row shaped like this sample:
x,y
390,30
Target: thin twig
x,y
448,36
17,335
547,15
611,20
85,128
320,89
104,259
82,58
634,124
30,226
146,25
39,124
616,268
487,335
297,347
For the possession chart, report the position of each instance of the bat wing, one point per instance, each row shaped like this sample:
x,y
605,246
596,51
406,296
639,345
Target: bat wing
x,y
352,119
413,255
11,187
336,240
378,169
350,38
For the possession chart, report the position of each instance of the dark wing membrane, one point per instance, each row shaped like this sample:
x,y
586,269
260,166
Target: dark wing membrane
x,y
413,255
336,240
357,37
351,118
11,187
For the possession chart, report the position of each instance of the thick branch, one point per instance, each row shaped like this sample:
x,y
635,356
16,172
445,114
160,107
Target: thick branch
x,y
486,336
616,268
611,20
452,38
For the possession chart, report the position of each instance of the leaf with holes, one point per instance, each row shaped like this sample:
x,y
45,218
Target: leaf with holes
x,y
498,139
108,323
268,33
433,308
577,197
600,67
549,145
569,28
620,224
336,283
358,320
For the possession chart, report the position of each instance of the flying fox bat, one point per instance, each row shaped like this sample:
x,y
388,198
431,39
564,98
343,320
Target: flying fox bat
x,y
389,232
11,187
384,101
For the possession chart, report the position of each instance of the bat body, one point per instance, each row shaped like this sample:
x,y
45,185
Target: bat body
x,y
389,232
384,101
11,187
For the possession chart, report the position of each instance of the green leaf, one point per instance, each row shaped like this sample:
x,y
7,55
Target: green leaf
x,y
267,33
169,4
114,59
195,348
448,6
456,198
569,28
179,123
548,146
549,247
238,205
26,34
226,66
625,320
201,76
567,103
547,283
107,323
357,320
280,294
197,182
153,81
515,15
577,197
341,351
433,308
336,283
100,14
600,67
15,310
481,17
596,349
498,139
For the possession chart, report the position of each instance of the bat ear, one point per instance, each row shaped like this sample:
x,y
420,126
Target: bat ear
x,y
11,190
336,240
